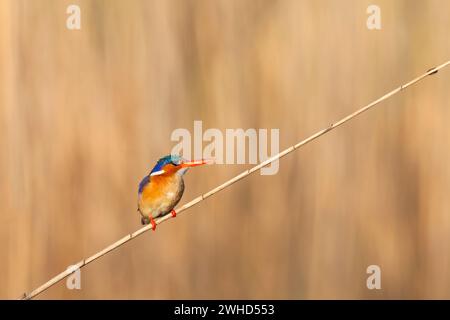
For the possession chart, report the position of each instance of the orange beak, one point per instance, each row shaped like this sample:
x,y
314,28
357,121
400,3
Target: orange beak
x,y
195,163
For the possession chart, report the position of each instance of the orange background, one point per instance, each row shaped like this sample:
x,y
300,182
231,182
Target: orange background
x,y
85,114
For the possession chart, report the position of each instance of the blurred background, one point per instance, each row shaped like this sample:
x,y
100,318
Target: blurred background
x,y
85,114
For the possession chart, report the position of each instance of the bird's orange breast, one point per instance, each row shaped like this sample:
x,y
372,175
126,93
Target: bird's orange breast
x,y
160,195
157,188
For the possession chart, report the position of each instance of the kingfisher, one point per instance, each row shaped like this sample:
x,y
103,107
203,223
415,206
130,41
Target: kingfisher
x,y
161,190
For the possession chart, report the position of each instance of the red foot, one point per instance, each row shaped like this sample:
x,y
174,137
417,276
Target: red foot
x,y
174,213
153,224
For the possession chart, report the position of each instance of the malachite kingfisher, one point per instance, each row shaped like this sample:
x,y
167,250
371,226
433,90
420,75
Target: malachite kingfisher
x,y
161,190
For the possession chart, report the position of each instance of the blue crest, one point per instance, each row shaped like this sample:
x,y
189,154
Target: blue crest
x,y
173,158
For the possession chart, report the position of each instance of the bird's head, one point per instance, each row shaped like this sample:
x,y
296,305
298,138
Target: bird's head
x,y
172,164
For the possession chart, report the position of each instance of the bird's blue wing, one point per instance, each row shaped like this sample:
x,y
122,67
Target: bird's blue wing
x,y
143,183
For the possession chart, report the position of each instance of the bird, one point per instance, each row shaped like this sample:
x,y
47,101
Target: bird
x,y
161,190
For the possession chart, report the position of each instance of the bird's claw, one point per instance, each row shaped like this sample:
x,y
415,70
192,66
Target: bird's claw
x,y
174,213
152,221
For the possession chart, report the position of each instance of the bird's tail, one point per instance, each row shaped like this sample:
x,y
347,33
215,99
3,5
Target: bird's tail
x,y
145,220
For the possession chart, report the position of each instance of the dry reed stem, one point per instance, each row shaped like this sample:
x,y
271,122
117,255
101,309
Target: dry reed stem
x,y
226,184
